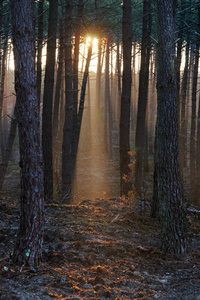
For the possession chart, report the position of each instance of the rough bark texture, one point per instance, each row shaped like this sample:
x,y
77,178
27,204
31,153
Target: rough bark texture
x,y
48,101
126,97
167,189
28,248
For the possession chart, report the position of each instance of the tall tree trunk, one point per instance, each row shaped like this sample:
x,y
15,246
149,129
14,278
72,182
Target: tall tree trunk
x,y
193,125
39,50
2,82
167,184
58,83
77,129
143,96
76,56
48,101
108,109
57,148
98,78
183,123
197,183
28,248
118,64
67,180
125,98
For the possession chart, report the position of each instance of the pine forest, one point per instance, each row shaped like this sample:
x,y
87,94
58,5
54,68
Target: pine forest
x,y
99,139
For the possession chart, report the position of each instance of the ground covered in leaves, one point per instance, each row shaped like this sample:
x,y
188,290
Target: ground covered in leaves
x,y
98,249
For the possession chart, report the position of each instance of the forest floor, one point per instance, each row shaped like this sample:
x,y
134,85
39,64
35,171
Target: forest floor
x,y
97,249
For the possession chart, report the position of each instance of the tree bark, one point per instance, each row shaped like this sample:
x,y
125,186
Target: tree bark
x,y
39,50
167,185
67,180
125,98
48,101
108,120
28,247
58,84
183,121
143,97
193,125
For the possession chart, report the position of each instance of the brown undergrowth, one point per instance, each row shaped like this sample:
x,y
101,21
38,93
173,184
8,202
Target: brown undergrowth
x,y
98,249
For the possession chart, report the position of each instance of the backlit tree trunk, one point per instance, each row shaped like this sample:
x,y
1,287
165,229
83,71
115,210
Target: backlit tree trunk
x,y
28,248
39,50
69,109
167,184
126,97
193,125
48,101
143,96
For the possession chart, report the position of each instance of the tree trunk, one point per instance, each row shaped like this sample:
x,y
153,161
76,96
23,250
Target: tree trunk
x,y
118,64
39,50
143,96
76,56
183,123
193,125
197,183
125,98
167,185
98,78
58,84
48,101
67,180
77,129
28,248
2,83
108,112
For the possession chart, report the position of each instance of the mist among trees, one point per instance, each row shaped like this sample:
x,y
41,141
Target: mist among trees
x,y
100,99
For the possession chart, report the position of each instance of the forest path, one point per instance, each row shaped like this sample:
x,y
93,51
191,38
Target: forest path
x,y
98,249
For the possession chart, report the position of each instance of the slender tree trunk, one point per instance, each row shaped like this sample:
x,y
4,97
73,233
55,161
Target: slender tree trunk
x,y
183,123
125,98
67,179
28,248
76,56
76,133
118,80
48,101
39,50
167,184
57,148
98,78
197,183
58,84
108,128
143,96
2,82
193,125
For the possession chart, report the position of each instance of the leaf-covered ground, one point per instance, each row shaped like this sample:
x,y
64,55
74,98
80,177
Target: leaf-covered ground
x,y
100,249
